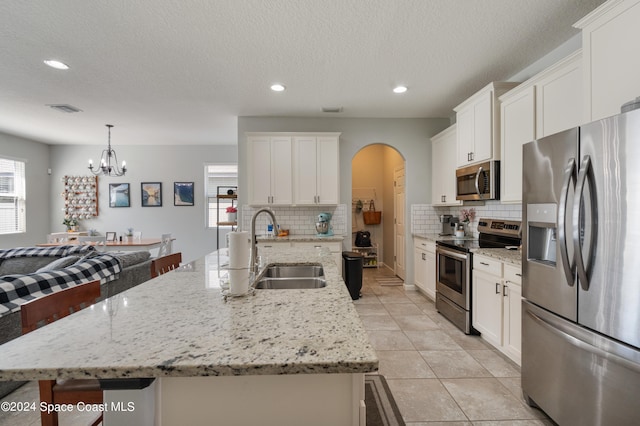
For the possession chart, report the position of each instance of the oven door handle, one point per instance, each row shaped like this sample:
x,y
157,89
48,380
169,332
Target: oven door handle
x,y
451,253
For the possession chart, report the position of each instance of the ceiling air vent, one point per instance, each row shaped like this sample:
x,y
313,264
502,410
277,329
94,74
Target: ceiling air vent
x,y
332,109
64,108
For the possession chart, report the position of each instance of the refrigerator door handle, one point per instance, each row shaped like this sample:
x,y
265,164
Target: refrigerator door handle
x,y
480,170
586,172
586,346
567,264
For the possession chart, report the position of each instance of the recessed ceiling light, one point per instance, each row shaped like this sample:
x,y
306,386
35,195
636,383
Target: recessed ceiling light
x,y
277,87
56,64
399,89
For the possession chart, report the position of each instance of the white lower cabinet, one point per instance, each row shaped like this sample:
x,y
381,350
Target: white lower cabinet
x,y
335,247
496,304
424,254
512,325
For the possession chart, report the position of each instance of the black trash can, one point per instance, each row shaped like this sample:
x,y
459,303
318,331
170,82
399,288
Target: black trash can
x,y
352,263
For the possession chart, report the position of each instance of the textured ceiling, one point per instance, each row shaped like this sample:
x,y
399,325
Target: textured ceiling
x,y
181,72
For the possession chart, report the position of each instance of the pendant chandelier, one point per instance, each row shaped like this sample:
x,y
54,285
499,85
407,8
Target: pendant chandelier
x,y
108,157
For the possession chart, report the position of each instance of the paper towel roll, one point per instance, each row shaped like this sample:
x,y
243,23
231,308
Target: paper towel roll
x,y
239,249
238,281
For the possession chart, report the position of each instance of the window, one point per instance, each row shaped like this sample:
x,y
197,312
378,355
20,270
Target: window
x,y
225,177
12,196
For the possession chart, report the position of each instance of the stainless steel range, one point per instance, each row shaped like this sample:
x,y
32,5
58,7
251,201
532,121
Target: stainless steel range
x,y
453,267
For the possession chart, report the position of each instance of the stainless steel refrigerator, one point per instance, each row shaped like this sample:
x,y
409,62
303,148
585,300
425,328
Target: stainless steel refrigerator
x,y
581,273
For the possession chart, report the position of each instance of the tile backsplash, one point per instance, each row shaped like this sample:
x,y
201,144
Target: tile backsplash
x,y
298,220
425,218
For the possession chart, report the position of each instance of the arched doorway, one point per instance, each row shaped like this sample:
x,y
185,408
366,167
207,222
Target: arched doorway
x,y
373,172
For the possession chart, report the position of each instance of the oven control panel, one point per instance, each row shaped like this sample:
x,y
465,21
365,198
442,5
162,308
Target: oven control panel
x,y
500,226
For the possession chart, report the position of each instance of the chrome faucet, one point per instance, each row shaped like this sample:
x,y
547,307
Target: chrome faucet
x,y
253,262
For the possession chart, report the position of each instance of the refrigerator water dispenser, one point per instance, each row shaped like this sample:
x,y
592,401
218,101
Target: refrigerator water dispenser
x,y
541,225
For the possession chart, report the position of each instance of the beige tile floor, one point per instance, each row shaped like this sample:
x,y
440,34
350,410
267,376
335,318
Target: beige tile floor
x,y
437,374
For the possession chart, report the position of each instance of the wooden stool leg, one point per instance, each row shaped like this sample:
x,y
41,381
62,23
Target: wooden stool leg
x,y
46,395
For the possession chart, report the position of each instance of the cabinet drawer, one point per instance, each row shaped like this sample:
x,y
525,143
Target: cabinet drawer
x,y
332,246
488,265
426,245
512,274
273,243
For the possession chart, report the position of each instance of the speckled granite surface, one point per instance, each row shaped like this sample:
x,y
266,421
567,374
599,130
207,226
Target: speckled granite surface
x,y
179,325
302,238
509,256
429,237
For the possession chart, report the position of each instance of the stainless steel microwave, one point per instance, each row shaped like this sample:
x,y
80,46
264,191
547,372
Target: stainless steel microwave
x,y
478,182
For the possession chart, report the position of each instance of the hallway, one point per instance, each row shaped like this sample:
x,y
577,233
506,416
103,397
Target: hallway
x,y
437,374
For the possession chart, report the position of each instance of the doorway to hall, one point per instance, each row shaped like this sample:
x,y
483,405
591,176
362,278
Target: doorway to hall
x,y
377,208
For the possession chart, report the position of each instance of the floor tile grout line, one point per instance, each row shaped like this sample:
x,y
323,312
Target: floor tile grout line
x,y
434,316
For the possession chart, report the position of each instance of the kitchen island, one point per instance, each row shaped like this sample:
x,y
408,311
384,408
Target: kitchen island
x,y
275,357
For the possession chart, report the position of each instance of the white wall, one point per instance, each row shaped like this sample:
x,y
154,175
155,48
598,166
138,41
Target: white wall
x,y
166,164
410,136
36,155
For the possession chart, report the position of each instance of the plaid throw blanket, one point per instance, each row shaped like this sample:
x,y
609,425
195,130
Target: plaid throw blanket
x,y
16,290
59,251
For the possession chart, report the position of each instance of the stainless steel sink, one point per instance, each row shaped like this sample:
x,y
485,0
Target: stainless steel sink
x,y
294,271
290,283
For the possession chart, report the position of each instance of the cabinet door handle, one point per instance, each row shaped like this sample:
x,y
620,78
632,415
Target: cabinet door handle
x,y
518,275
472,155
424,256
497,288
504,291
484,263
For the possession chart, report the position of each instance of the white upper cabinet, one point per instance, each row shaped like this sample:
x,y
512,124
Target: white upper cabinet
x,y
478,120
517,127
547,103
316,169
559,96
610,37
443,168
293,168
269,161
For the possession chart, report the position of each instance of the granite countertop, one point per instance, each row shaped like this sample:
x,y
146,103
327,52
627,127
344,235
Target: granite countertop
x,y
427,236
508,256
179,325
437,237
301,238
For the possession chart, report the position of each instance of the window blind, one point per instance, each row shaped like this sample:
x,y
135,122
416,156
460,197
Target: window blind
x,y
12,196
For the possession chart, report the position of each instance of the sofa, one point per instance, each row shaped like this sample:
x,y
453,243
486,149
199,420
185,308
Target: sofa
x,y
27,273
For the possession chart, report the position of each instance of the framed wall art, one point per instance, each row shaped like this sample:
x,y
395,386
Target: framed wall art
x,y
151,194
119,195
183,193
